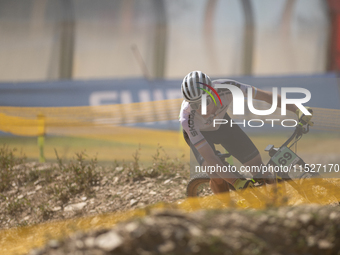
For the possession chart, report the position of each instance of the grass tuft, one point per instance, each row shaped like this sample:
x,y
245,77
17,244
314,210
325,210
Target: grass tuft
x,y
162,165
77,176
8,160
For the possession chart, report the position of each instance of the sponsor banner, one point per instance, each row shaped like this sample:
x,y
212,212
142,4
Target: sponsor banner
x,y
324,92
323,88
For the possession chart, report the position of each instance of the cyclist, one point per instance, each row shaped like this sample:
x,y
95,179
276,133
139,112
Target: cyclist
x,y
201,135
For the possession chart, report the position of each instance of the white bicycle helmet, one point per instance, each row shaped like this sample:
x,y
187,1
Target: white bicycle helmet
x,y
191,86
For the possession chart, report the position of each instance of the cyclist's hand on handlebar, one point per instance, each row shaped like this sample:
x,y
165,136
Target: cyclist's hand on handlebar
x,y
305,119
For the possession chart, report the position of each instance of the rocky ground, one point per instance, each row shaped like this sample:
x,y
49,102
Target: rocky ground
x,y
32,193
309,229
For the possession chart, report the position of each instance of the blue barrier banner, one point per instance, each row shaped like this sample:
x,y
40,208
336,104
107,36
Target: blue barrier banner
x,y
324,90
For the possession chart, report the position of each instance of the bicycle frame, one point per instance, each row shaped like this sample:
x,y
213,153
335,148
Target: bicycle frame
x,y
299,131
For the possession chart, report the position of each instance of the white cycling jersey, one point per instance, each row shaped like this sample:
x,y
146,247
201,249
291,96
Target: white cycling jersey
x,y
193,122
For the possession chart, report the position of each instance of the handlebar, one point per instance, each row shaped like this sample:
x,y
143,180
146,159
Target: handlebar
x,y
299,131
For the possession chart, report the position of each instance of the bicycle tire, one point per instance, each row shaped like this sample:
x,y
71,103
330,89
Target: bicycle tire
x,y
195,182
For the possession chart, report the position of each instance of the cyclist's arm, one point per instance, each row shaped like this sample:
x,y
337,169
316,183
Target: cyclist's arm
x,y
208,154
201,144
267,96
211,159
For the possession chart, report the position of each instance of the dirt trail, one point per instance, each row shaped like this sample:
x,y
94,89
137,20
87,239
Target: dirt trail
x,y
309,229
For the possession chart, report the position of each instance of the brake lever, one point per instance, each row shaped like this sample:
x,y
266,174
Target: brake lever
x,y
305,130
302,129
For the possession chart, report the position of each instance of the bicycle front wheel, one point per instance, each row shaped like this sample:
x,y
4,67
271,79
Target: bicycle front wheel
x,y
198,186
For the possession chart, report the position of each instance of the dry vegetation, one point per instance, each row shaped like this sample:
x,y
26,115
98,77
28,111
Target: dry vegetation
x,y
33,192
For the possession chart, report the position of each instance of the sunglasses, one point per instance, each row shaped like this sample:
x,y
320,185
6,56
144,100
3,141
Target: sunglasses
x,y
197,105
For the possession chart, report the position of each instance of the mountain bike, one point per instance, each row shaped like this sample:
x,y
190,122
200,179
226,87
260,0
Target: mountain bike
x,y
309,184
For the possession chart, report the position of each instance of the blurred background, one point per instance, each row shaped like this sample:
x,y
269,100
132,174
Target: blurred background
x,y
44,40
57,55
